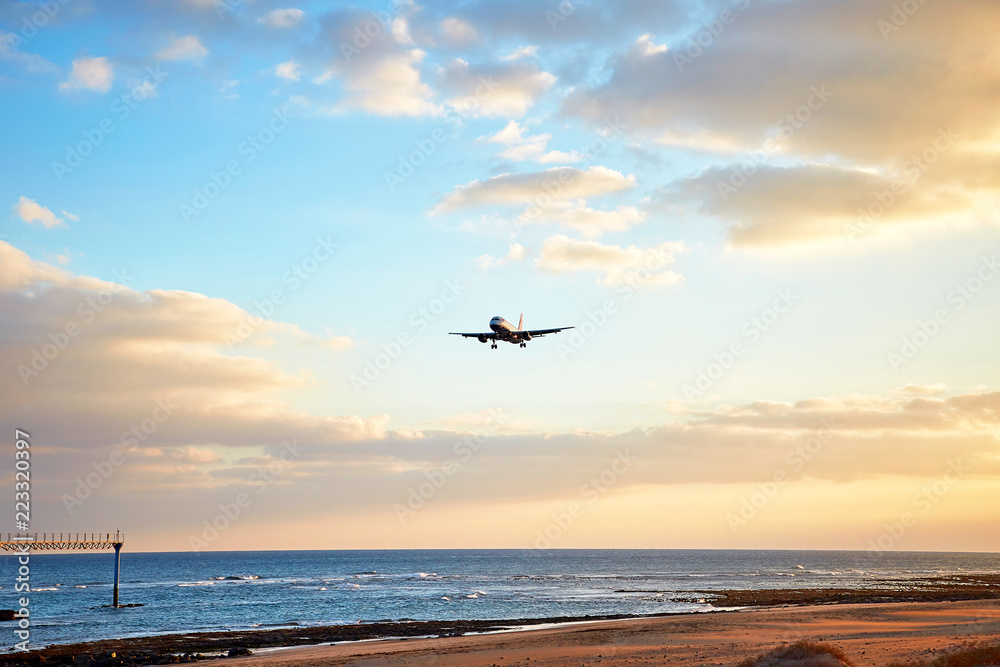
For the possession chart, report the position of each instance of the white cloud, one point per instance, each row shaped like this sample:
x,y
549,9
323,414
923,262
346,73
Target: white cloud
x,y
324,77
74,218
290,70
497,90
457,31
337,342
649,266
530,147
90,74
283,18
519,53
533,147
382,75
555,184
516,254
228,88
33,63
183,48
559,156
590,222
400,29
509,135
389,85
648,48
31,211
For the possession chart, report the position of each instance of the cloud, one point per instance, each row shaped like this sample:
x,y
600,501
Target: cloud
x,y
561,254
530,147
149,344
31,211
857,116
290,70
827,439
521,147
520,53
781,205
90,74
384,81
511,134
577,215
556,184
380,75
539,21
145,372
922,390
559,156
9,51
228,88
392,87
829,106
516,254
506,91
283,18
194,455
183,48
457,32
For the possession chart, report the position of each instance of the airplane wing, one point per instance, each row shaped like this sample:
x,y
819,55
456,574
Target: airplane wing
x,y
489,336
541,332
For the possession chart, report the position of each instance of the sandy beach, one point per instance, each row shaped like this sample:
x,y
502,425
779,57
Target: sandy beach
x,y
870,634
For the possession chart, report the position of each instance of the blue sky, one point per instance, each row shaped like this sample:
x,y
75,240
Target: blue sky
x,y
557,152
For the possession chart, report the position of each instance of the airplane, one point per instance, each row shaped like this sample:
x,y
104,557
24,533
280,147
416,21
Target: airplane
x,y
504,330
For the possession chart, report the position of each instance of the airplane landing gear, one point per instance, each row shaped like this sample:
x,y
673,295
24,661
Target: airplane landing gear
x,y
494,346
524,345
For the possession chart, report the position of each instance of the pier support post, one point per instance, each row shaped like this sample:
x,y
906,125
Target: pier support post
x,y
118,568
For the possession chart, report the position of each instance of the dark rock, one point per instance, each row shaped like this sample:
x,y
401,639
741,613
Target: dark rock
x,y
238,651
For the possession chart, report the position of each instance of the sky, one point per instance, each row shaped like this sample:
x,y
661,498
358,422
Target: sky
x,y
239,232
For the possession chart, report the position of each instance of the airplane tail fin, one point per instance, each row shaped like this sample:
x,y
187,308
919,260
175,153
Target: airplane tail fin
x,y
520,323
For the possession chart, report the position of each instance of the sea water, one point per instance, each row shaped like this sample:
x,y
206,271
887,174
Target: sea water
x,y
199,592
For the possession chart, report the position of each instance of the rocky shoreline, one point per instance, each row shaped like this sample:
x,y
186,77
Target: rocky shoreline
x,y
191,647
928,589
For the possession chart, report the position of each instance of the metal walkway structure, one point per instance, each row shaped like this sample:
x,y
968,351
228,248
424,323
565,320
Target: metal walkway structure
x,y
17,542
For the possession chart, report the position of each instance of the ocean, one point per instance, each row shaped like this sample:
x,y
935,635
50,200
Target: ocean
x,y
192,592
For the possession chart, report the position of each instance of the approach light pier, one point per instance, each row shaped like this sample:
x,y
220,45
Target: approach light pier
x,y
68,542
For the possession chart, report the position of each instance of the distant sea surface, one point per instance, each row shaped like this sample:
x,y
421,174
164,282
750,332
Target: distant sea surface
x,y
199,592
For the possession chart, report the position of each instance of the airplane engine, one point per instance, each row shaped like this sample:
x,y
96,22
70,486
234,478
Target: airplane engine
x,y
526,336
482,338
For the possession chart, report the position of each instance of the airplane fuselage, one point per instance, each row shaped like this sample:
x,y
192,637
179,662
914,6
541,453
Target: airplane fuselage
x,y
506,331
